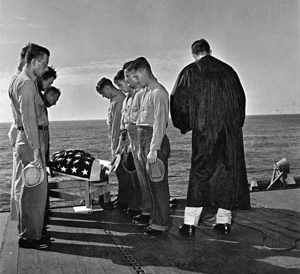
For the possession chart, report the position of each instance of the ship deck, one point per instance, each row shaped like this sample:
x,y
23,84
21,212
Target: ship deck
x,y
107,242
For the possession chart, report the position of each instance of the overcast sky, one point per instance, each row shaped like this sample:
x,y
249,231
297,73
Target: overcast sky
x,y
93,38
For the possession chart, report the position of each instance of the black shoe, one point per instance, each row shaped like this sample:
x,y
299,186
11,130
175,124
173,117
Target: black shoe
x,y
133,212
117,204
187,230
153,232
173,201
141,219
173,206
223,228
122,206
126,210
107,206
34,244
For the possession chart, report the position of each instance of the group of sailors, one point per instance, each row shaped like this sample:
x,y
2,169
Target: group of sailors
x,y
138,119
207,99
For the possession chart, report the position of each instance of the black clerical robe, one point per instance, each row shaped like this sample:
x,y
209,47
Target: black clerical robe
x,y
208,99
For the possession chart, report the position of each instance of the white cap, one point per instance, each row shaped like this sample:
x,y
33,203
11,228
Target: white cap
x,y
33,175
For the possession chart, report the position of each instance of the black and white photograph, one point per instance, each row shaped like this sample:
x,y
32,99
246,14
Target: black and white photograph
x,y
141,136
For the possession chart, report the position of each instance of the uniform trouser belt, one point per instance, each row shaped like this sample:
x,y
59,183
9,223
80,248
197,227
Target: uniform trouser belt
x,y
39,127
144,126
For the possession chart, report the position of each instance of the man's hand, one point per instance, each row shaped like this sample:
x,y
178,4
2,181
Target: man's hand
x,y
152,156
37,159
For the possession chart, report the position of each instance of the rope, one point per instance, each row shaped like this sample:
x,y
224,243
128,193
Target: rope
x,y
265,236
128,256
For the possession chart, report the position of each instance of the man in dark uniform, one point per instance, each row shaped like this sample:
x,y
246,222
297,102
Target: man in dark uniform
x,y
208,99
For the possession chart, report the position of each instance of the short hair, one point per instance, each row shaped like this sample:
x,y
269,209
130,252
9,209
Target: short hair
x,y
51,72
119,76
200,46
22,57
139,63
127,64
52,89
103,82
35,51
24,51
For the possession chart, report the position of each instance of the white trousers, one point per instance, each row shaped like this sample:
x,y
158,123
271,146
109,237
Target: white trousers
x,y
192,215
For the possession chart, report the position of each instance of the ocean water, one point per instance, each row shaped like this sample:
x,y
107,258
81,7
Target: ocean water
x,y
267,138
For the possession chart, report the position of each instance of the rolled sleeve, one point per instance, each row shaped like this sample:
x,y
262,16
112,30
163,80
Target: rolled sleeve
x,y
161,110
28,113
123,115
115,125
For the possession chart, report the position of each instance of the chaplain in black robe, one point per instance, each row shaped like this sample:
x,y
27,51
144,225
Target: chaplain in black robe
x,y
208,99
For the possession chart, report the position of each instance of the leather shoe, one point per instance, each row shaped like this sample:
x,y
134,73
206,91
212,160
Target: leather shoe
x,y
153,232
141,219
34,244
107,206
223,228
187,230
132,213
117,204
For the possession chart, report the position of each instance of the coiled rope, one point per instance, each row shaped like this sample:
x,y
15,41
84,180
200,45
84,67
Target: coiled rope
x,y
265,236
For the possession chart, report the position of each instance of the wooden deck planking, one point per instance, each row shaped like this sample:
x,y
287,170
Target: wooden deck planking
x,y
107,250
87,242
82,246
67,245
49,263
28,262
69,262
9,251
3,226
89,263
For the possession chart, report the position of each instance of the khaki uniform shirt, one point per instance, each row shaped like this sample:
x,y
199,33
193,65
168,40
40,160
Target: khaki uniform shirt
x,y
125,118
28,107
131,107
154,112
136,105
13,131
114,120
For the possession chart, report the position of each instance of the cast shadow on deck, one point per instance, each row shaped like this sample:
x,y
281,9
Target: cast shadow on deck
x,y
101,234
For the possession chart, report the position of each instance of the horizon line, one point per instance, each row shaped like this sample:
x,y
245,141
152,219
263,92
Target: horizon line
x,y
104,119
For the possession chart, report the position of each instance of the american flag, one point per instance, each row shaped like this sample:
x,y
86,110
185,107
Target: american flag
x,y
72,162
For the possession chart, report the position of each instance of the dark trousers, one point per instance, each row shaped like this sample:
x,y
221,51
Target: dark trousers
x,y
124,185
141,186
159,190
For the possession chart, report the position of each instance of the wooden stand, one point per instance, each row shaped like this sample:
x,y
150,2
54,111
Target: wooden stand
x,y
93,190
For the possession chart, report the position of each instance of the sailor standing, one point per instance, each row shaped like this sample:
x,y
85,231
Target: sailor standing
x,y
31,145
154,144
